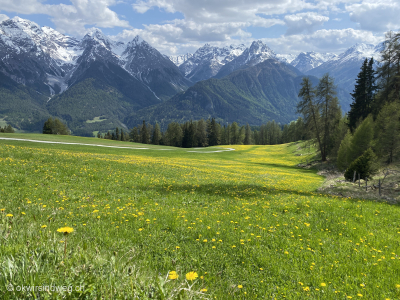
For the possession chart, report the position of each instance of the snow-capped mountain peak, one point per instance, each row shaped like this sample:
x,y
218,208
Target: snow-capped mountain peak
x,y
180,59
306,61
208,60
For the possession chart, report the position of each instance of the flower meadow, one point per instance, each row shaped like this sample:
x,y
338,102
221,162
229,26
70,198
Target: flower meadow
x,y
165,223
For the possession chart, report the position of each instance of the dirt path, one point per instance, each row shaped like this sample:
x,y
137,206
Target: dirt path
x,y
107,146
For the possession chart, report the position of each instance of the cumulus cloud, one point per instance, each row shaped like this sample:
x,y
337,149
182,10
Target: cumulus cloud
x,y
376,16
225,10
333,40
301,22
22,6
70,18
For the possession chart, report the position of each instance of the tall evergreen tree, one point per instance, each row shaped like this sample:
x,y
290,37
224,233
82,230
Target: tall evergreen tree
x,y
330,112
156,135
247,136
363,94
144,135
214,135
201,134
134,135
309,109
388,72
387,131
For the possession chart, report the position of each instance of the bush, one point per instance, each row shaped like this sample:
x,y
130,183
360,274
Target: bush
x,y
365,165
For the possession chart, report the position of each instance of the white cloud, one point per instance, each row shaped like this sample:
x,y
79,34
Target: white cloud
x,y
334,40
376,16
70,18
22,6
225,10
301,22
3,17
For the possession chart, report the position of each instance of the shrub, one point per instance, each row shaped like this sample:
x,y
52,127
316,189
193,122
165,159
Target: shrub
x,y
365,165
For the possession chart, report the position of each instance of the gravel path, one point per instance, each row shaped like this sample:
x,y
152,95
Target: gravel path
x,y
106,146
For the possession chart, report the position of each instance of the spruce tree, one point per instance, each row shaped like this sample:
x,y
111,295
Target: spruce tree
x,y
134,135
362,96
387,131
329,111
214,137
144,135
247,137
156,135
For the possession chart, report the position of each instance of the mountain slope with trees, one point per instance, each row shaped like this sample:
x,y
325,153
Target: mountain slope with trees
x,y
267,91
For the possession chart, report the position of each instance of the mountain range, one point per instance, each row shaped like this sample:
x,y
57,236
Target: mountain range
x,y
96,83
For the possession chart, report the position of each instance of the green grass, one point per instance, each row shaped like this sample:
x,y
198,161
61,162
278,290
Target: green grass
x,y
95,120
248,222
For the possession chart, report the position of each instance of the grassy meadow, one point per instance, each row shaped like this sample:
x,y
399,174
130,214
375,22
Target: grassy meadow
x,y
248,222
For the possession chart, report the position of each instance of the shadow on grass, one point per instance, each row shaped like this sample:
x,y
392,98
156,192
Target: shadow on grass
x,y
298,169
232,190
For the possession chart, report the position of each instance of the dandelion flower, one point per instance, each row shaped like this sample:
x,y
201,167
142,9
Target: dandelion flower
x,y
44,226
9,215
323,284
359,295
65,230
306,289
240,286
203,290
191,276
173,275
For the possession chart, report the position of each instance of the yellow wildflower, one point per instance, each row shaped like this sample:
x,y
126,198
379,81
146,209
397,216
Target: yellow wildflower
x,y
191,276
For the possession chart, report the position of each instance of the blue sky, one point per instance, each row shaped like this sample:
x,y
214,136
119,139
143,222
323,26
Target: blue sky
x,y
181,26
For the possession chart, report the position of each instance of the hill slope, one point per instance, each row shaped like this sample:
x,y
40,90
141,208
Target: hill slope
x,y
267,91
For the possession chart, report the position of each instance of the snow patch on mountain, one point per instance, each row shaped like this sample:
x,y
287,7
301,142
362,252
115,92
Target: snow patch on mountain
x,y
306,61
180,59
215,56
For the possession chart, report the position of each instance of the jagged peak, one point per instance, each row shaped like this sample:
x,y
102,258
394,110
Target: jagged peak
x,y
137,40
24,22
94,33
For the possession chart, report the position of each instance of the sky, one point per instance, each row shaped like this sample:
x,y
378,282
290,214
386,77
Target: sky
x,y
177,27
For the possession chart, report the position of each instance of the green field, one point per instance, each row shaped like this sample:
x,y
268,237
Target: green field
x,y
248,222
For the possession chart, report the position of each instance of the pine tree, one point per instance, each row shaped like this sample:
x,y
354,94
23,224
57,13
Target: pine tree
x,y
309,109
329,111
234,134
156,135
201,134
144,135
214,136
134,135
388,72
247,137
387,131
117,135
362,95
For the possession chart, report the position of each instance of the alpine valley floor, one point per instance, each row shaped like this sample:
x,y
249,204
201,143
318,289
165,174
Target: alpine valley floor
x,y
249,223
